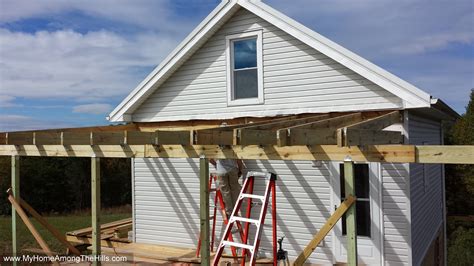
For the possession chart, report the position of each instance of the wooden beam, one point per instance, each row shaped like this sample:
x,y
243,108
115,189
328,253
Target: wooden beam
x,y
15,184
3,138
20,138
107,138
182,137
445,154
274,125
60,237
76,138
47,138
257,137
379,122
326,127
204,210
354,137
31,227
376,153
318,237
140,138
214,136
351,218
95,208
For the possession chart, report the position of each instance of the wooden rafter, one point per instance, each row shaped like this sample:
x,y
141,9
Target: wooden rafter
x,y
319,132
265,134
226,135
370,131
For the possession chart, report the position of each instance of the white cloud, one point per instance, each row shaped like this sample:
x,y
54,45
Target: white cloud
x,y
20,122
93,108
86,67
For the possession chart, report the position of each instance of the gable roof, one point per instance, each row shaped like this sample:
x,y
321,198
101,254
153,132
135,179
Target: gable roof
x,y
412,96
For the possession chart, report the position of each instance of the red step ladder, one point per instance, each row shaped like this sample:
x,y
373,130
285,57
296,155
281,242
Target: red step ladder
x,y
247,193
217,200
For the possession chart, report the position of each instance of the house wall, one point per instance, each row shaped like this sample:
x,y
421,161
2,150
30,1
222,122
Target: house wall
x,y
297,79
426,188
396,214
166,204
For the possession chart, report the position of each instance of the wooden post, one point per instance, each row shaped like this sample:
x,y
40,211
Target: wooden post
x,y
15,175
95,193
351,220
204,210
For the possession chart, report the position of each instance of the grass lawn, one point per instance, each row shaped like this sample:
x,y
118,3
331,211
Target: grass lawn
x,y
61,223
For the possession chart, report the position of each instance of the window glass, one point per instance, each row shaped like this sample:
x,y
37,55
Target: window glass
x,y
245,73
362,191
245,84
245,53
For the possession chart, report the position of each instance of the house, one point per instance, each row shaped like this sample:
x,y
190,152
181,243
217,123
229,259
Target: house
x,y
248,62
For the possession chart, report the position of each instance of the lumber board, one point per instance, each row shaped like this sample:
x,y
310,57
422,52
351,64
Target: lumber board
x,y
204,210
351,216
95,208
20,138
257,137
76,138
140,138
182,137
284,123
31,227
302,136
379,122
60,237
15,189
107,138
351,137
332,122
103,227
322,233
3,138
47,138
375,153
219,136
461,154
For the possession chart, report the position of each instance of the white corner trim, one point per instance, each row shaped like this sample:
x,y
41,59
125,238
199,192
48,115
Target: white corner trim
x,y
230,69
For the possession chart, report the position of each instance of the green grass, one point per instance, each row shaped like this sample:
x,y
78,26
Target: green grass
x,y
61,223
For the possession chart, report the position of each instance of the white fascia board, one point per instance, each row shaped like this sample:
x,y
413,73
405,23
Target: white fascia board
x,y
123,110
412,96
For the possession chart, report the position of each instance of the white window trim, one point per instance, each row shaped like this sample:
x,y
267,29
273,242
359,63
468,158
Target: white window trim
x,y
230,68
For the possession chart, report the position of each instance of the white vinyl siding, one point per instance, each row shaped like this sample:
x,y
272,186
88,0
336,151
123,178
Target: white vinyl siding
x,y
294,74
167,204
426,189
396,216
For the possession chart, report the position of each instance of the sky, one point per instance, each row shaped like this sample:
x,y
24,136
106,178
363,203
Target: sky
x,y
68,63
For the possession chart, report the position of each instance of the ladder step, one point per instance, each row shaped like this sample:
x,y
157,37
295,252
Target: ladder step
x,y
237,245
245,195
243,219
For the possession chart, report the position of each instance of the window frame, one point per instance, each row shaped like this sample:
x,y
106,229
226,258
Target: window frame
x,y
230,39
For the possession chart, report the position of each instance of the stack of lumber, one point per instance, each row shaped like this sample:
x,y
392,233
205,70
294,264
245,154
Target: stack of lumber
x,y
117,230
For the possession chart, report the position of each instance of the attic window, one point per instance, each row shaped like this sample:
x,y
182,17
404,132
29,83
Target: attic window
x,y
244,71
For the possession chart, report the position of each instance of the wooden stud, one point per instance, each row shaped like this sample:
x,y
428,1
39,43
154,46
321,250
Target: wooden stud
x,y
204,210
95,201
31,227
322,233
15,184
182,137
351,219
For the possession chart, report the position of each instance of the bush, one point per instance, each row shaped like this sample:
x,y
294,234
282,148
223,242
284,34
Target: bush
x,y
461,247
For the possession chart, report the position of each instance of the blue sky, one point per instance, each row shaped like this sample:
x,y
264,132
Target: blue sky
x,y
68,63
